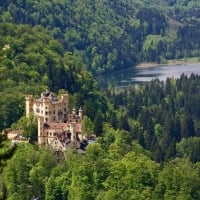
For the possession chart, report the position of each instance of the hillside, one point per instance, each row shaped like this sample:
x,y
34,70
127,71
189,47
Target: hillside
x,y
32,61
151,153
148,137
111,35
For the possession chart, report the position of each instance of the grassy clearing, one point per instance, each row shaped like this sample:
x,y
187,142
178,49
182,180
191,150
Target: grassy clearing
x,y
184,60
171,62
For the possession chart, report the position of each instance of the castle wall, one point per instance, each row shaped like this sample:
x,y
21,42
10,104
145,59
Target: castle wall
x,y
51,110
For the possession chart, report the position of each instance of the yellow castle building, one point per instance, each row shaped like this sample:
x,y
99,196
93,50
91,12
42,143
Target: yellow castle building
x,y
57,126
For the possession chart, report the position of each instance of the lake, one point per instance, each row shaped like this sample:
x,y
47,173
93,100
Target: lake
x,y
137,75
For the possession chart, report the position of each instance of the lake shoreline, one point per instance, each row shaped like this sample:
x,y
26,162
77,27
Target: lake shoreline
x,y
145,72
170,63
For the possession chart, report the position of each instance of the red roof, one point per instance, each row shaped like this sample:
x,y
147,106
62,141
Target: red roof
x,y
62,126
57,125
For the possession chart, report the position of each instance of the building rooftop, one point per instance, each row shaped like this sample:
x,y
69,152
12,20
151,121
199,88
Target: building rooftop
x,y
57,125
63,126
48,95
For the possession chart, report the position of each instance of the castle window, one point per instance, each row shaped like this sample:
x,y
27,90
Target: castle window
x,y
46,126
46,113
37,110
60,113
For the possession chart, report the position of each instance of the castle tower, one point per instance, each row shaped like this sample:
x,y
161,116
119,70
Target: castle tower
x,y
80,113
64,98
41,132
74,111
73,131
29,104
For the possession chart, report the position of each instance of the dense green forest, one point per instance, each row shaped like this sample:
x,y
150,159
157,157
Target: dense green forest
x,y
150,151
148,144
161,114
149,141
32,61
111,35
115,173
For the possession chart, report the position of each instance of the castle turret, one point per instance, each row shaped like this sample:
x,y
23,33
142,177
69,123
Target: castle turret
x,y
64,98
73,111
80,113
73,131
41,132
29,104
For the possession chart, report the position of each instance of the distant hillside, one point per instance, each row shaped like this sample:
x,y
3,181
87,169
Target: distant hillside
x,y
110,35
32,61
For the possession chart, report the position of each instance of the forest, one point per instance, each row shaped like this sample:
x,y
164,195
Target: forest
x,y
148,137
112,35
32,61
148,148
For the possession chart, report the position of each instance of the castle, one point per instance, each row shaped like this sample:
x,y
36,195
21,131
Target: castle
x,y
57,126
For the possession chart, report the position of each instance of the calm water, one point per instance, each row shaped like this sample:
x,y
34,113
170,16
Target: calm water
x,y
132,76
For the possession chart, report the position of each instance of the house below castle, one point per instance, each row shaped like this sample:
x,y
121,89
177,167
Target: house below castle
x,y
15,136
